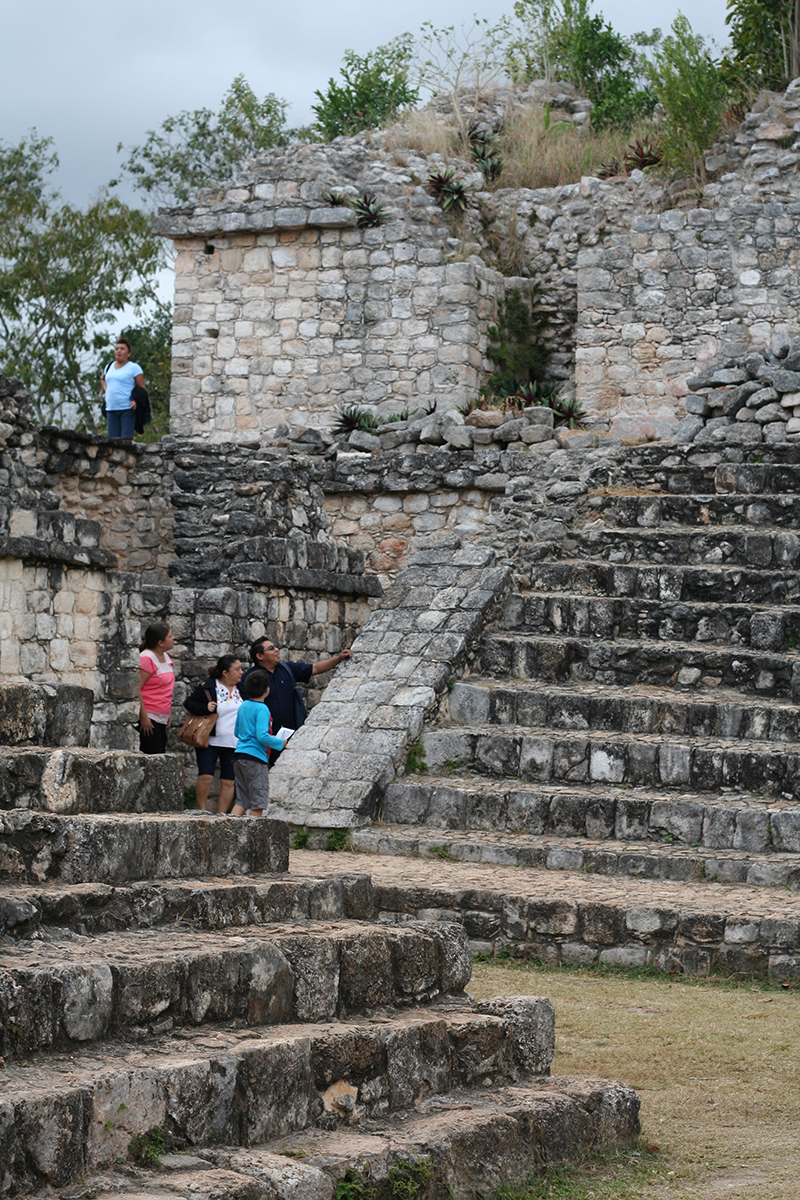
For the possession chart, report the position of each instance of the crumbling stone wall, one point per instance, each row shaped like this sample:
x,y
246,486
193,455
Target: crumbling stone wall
x,y
285,310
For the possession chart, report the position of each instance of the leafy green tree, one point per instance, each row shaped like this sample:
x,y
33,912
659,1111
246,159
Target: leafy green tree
x,y
765,42
65,274
151,348
193,149
375,88
560,39
694,95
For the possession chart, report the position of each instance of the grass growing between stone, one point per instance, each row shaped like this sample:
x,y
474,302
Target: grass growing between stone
x,y
716,1064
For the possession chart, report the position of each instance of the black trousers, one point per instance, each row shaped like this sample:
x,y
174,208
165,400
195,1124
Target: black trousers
x,y
155,742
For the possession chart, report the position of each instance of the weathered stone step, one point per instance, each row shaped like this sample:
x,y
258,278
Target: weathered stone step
x,y
775,474
50,525
735,508
763,628
573,917
451,1145
462,1144
704,764
69,991
72,1114
77,780
37,847
731,821
45,714
674,545
707,712
207,903
625,661
647,860
653,581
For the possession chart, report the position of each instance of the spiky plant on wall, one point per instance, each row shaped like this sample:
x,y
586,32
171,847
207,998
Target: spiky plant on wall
x,y
369,210
449,191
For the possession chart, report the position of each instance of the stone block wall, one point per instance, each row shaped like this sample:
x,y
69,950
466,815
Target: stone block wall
x,y
285,309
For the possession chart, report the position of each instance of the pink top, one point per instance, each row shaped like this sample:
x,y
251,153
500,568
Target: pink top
x,y
157,690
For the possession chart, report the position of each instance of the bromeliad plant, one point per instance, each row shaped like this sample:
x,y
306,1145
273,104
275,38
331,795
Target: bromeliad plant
x,y
482,145
449,191
367,207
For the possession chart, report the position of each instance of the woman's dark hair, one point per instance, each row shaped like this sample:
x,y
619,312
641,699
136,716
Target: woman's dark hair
x,y
224,664
153,635
124,342
257,683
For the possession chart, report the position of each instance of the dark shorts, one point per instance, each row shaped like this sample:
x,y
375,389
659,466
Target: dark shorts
x,y
155,742
252,782
207,760
121,422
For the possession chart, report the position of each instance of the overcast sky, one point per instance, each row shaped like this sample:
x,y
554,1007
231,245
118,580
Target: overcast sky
x,y
91,74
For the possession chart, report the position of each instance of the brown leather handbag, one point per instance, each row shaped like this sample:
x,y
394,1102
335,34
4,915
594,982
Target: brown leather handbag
x,y
196,730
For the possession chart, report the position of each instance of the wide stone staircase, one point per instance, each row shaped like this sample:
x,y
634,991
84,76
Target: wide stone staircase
x,y
182,1016
627,736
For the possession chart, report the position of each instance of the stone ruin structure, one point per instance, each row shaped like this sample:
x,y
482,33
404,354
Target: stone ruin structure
x,y
568,731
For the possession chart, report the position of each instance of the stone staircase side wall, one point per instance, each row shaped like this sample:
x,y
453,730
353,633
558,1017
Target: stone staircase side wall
x,y
371,713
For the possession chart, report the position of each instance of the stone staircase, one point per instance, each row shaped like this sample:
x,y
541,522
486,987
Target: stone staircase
x,y
630,720
181,1015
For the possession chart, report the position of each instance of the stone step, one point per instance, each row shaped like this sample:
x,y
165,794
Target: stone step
x,y
40,847
732,545
50,525
649,760
572,917
670,584
626,661
69,1115
45,714
452,1144
208,903
735,508
701,712
67,991
772,475
763,628
77,780
461,1144
730,821
648,860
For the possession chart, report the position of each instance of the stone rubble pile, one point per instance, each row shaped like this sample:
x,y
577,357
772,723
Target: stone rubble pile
x,y
452,430
747,400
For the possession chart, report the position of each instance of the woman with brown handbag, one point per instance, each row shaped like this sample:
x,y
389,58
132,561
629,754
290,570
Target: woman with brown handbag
x,y
218,694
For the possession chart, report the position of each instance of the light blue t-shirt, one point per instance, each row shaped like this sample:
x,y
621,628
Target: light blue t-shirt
x,y
119,386
252,729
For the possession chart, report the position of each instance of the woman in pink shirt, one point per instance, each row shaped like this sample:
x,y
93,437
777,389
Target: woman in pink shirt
x,y
156,685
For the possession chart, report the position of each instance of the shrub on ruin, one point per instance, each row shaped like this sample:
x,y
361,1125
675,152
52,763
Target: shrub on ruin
x,y
516,343
765,44
375,87
693,94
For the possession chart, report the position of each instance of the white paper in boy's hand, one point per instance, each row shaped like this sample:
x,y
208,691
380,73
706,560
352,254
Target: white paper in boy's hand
x,y
285,733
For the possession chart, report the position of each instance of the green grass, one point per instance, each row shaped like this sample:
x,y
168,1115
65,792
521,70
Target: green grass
x,y
338,839
300,839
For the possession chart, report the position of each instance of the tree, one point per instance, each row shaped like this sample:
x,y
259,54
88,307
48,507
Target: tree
x,y
65,273
693,94
193,149
559,38
765,40
375,89
453,61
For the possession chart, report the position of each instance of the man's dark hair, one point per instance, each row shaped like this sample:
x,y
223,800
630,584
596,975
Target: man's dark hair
x,y
256,649
124,342
257,683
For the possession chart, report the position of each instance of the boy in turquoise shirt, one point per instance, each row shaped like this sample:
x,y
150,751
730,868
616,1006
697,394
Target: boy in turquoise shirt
x,y
254,739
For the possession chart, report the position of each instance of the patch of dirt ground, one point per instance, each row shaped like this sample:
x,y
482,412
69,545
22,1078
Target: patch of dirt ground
x,y
717,1068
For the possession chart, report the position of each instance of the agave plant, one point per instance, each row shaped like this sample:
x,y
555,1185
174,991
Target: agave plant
x,y
369,210
352,417
642,153
491,164
336,198
610,169
533,393
449,191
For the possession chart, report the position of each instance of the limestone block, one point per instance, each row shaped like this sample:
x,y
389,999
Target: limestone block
x,y
485,418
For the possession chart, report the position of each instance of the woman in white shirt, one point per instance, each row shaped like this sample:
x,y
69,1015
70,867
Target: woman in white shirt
x,y
218,694
117,382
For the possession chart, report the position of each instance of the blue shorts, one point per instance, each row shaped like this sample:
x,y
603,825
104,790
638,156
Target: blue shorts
x,y
121,423
207,760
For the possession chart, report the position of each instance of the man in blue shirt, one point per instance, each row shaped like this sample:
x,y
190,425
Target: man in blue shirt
x,y
285,702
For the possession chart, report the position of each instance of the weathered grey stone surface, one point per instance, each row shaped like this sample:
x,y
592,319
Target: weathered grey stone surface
x,y
56,714
84,781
